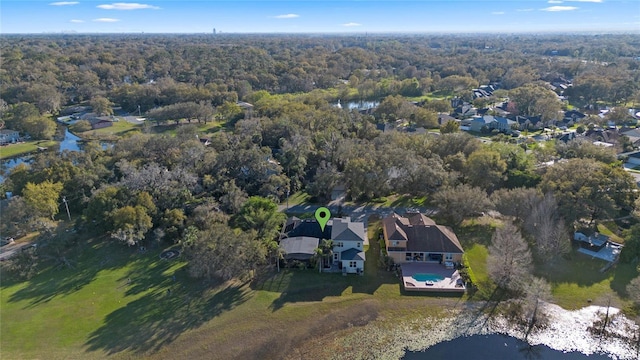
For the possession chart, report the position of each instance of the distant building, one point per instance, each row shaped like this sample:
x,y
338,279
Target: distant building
x,y
9,136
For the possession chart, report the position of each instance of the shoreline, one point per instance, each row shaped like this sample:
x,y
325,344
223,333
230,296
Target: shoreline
x,y
567,330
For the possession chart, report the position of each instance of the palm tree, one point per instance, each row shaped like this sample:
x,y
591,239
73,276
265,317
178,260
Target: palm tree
x,y
318,255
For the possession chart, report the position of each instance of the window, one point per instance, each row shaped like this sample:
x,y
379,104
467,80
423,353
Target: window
x,y
335,256
339,244
448,257
407,256
396,243
352,264
358,244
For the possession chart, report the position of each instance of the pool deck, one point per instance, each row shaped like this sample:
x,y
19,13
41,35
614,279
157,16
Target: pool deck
x,y
450,282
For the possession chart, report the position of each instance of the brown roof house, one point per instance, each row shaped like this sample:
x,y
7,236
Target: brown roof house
x,y
427,252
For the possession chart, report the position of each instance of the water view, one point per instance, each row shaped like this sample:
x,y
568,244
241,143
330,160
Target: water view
x,y
491,347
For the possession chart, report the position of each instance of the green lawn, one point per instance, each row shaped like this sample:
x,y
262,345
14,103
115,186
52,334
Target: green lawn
x,y
605,229
576,281
297,198
118,129
24,147
92,311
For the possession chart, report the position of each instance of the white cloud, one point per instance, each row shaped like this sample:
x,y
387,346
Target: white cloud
x,y
106,20
287,16
587,1
63,3
76,21
559,8
524,10
126,6
352,24
554,2
497,13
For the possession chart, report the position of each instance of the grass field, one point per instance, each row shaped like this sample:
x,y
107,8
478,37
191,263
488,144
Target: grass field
x,y
114,303
111,133
12,150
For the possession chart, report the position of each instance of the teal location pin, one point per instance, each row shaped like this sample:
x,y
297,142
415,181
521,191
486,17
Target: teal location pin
x,y
322,215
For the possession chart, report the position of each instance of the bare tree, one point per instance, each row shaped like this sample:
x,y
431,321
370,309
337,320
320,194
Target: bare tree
x,y
536,290
547,227
509,261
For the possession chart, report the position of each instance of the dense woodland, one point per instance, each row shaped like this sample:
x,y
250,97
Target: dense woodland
x,y
167,188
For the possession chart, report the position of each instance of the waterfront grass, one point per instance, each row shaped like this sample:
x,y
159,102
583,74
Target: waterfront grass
x,y
12,150
92,311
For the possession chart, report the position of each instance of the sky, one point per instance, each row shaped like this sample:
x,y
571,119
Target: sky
x,y
320,16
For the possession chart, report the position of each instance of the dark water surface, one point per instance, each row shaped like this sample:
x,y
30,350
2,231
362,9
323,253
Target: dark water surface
x,y
495,347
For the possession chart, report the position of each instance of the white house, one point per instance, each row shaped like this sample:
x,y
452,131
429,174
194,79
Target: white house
x,y
348,244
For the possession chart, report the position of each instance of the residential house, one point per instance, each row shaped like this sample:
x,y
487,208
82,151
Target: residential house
x,y
9,136
634,158
301,237
417,238
503,124
633,135
574,115
478,123
348,244
528,122
444,118
247,108
97,122
598,246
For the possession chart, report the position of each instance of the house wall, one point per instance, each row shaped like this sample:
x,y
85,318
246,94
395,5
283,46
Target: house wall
x,y
346,266
346,245
400,257
7,137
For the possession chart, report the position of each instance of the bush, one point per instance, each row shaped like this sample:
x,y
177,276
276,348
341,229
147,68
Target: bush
x,y
80,126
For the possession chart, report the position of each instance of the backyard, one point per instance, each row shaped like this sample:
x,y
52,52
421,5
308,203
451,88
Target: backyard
x,y
121,303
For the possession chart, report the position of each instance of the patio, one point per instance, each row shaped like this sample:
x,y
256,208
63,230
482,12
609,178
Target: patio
x,y
451,280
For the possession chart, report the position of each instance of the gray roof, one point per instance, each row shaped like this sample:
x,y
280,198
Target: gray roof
x,y
299,247
353,254
345,230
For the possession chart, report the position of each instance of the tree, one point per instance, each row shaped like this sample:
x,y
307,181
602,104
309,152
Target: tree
x,y
485,169
130,224
585,188
631,250
547,228
43,197
509,260
262,215
101,105
535,290
460,201
219,252
450,127
516,202
15,218
536,100
39,127
633,290
80,126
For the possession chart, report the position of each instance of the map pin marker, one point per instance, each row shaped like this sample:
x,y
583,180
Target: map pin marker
x,y
322,215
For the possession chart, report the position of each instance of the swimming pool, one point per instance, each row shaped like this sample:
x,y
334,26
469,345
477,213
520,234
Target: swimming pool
x,y
427,277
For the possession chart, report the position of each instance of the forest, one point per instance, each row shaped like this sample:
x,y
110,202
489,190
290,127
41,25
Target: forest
x,y
160,184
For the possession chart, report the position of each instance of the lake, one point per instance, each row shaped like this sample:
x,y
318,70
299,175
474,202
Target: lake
x,y
491,347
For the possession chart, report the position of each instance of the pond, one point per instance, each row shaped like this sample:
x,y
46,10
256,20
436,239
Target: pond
x,y
490,347
69,142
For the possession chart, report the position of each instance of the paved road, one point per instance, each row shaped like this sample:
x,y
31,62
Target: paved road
x,y
9,250
357,213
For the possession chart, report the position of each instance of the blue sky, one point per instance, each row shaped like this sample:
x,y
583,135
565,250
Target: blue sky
x,y
309,16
